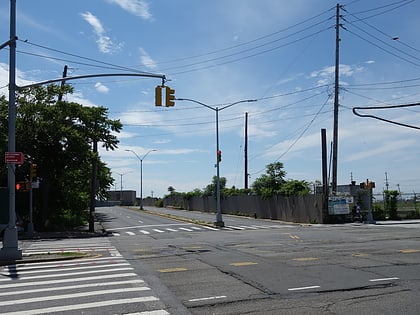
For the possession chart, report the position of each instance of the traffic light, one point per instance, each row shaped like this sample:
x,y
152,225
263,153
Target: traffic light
x,y
219,156
23,186
170,97
158,96
32,171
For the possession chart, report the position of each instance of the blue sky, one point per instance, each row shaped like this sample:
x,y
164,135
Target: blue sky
x,y
223,51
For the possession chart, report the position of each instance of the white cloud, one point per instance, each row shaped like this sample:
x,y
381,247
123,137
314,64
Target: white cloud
x,y
137,7
146,60
101,88
105,44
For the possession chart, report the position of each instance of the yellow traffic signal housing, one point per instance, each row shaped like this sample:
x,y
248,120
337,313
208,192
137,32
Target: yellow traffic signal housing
x,y
32,171
170,97
158,96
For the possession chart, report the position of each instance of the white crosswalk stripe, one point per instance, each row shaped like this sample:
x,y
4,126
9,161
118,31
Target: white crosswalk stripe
x,y
192,228
102,282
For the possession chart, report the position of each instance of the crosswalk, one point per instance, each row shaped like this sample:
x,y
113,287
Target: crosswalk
x,y
101,283
149,230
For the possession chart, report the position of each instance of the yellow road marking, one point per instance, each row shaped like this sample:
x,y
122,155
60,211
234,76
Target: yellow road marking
x,y
305,258
172,270
243,263
406,251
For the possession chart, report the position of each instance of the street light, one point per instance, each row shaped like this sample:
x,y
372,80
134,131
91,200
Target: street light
x,y
121,185
219,221
141,173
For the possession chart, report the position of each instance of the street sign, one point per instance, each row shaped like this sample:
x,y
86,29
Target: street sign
x,y
339,204
14,157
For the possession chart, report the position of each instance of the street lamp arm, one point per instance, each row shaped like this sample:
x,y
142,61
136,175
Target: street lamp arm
x,y
212,108
230,105
134,154
194,101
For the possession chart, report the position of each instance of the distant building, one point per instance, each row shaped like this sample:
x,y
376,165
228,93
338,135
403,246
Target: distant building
x,y
125,197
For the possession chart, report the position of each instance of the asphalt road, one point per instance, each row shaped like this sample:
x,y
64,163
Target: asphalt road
x,y
265,267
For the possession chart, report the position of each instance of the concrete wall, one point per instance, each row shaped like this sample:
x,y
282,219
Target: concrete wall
x,y
302,209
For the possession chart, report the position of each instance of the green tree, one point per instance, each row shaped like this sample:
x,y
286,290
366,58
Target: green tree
x,y
271,182
391,206
294,187
211,188
59,137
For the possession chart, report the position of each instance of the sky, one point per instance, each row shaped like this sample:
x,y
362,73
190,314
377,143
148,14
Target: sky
x,y
219,52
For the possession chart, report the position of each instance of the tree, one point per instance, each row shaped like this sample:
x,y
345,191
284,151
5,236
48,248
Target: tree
x,y
59,137
271,182
295,187
391,206
211,188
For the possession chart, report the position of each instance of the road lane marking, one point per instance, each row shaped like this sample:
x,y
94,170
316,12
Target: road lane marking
x,y
210,228
305,259
172,270
148,226
304,288
208,298
144,232
407,251
159,231
360,255
56,309
57,281
196,228
72,295
384,279
77,286
243,263
70,274
61,268
185,229
294,237
130,233
171,230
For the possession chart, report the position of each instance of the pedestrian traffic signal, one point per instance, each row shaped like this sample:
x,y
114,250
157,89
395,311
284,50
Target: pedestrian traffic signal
x,y
32,171
170,97
158,96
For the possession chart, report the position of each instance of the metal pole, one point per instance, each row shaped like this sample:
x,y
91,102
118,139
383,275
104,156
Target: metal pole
x,y
10,250
219,221
141,173
141,183
336,91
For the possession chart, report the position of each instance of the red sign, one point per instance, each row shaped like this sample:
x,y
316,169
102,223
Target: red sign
x,y
14,157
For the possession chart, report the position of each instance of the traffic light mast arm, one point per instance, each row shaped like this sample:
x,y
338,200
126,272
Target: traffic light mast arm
x,y
87,76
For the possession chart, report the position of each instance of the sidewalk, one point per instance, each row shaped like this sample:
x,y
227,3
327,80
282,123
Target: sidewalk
x,y
391,222
82,232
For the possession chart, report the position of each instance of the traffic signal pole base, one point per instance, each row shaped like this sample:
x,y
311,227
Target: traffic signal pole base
x,y
10,250
219,224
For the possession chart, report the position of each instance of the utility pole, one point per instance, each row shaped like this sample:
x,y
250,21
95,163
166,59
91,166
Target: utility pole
x,y
60,96
11,250
336,90
246,151
386,181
